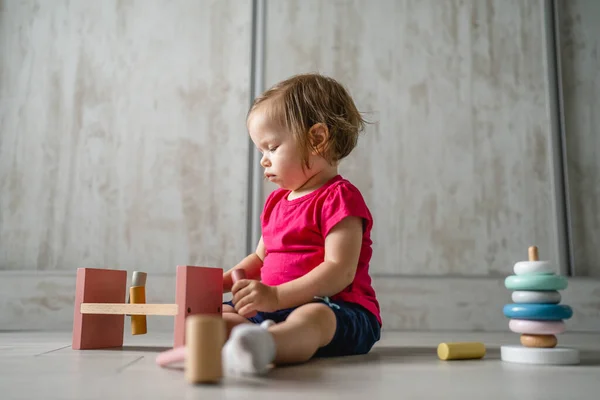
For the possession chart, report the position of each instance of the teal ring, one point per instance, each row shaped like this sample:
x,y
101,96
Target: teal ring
x,y
542,312
535,282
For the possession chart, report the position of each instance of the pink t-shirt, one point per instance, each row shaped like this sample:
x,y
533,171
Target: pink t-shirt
x,y
294,234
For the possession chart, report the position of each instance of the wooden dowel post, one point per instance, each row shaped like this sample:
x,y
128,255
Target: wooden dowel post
x,y
132,309
533,253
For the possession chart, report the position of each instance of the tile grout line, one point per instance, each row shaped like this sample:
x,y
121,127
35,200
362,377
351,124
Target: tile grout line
x,y
119,370
51,351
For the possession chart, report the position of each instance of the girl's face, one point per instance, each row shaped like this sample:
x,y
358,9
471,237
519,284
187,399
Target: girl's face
x,y
281,157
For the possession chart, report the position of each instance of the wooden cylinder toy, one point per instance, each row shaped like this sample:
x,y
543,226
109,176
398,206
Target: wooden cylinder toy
x,y
137,295
238,274
460,351
533,253
539,341
205,336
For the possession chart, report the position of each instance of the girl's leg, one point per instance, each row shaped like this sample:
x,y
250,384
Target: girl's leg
x,y
306,329
232,319
251,348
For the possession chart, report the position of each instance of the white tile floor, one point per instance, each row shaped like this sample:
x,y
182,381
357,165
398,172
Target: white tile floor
x,y
403,365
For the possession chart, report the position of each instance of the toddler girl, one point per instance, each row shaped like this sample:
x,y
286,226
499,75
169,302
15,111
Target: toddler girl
x,y
308,292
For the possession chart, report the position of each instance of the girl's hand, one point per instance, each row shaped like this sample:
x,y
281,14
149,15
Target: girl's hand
x,y
251,295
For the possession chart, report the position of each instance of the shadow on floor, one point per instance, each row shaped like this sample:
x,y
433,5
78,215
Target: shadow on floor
x,y
590,358
148,349
317,369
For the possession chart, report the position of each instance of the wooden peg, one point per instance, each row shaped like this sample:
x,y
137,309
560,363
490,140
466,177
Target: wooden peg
x,y
205,336
533,253
461,351
238,274
137,294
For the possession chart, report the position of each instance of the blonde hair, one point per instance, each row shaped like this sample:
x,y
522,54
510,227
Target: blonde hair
x,y
300,102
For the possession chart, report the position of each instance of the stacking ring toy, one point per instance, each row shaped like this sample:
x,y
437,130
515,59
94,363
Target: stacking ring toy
x,y
533,267
536,327
536,296
535,282
545,312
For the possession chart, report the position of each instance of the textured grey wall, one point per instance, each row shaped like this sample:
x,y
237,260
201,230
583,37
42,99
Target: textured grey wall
x,y
123,142
580,51
456,171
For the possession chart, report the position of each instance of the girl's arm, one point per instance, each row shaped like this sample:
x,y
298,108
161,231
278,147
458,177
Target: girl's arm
x,y
251,264
334,274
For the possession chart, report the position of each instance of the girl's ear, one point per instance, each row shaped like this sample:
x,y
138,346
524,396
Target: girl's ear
x,y
318,135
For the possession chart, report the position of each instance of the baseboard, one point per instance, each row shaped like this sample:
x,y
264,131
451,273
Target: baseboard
x,y
471,304
44,301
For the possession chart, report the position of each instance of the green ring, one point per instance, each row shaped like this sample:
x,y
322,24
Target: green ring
x,y
536,282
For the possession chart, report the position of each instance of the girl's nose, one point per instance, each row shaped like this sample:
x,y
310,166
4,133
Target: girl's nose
x,y
264,161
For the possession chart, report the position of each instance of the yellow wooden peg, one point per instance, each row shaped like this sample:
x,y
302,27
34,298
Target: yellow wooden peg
x,y
137,295
460,351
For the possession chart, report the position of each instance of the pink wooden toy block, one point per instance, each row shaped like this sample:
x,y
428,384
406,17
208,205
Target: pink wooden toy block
x,y
96,331
198,290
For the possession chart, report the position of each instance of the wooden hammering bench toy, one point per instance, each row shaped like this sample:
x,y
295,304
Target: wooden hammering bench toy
x,y
100,304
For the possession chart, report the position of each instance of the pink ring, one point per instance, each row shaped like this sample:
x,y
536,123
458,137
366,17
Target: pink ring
x,y
171,356
536,327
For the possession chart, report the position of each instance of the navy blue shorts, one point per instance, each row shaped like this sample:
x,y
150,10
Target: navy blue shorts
x,y
357,329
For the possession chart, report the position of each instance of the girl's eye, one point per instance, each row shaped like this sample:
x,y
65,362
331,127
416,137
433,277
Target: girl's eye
x,y
272,149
